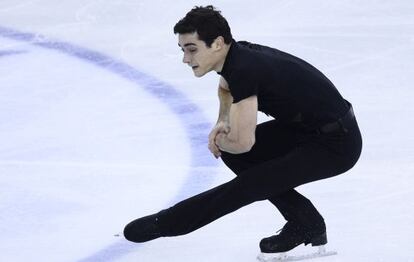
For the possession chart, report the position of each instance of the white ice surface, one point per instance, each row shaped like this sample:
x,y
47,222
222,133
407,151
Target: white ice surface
x,y
84,150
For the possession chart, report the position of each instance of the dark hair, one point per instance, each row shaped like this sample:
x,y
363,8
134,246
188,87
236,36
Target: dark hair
x,y
207,22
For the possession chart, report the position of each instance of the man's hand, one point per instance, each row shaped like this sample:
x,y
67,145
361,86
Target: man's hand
x,y
221,127
243,121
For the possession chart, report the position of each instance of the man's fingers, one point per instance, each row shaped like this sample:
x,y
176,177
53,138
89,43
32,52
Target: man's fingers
x,y
213,135
217,154
212,146
214,149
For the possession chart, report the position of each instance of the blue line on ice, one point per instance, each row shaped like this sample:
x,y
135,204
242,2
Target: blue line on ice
x,y
11,52
190,116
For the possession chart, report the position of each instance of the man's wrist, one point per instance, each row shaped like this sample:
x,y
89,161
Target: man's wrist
x,y
224,120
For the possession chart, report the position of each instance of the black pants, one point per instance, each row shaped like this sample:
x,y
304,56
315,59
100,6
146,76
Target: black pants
x,y
281,159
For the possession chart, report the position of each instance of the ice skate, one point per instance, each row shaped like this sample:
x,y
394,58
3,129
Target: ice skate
x,y
143,229
274,248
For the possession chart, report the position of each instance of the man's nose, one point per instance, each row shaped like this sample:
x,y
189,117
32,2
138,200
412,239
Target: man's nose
x,y
186,59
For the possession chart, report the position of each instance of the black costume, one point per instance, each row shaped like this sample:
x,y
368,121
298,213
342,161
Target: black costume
x,y
314,136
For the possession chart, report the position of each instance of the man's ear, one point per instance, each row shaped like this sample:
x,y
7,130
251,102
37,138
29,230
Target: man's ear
x,y
218,43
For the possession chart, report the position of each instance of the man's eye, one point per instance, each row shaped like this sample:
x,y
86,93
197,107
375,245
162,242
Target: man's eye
x,y
192,50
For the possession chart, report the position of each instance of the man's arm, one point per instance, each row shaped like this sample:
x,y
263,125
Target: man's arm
x,y
223,122
243,121
226,101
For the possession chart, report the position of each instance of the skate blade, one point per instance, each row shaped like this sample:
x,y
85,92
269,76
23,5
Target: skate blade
x,y
274,257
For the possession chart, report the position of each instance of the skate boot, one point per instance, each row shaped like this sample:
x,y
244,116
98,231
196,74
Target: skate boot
x,y
291,236
143,229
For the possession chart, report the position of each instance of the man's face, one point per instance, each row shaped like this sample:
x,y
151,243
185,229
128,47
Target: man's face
x,y
197,55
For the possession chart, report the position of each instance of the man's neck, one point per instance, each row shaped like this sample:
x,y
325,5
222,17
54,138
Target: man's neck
x,y
219,67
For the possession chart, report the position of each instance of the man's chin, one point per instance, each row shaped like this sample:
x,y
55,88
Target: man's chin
x,y
199,74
